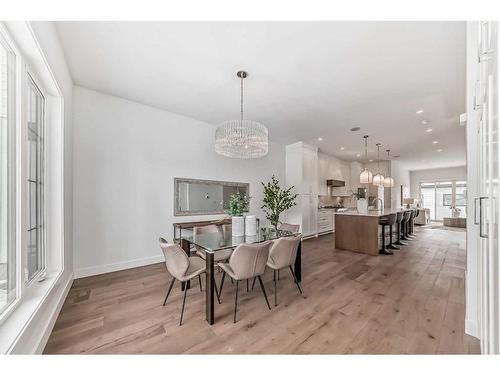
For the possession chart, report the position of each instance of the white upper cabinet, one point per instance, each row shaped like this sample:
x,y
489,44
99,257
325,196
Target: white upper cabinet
x,y
302,168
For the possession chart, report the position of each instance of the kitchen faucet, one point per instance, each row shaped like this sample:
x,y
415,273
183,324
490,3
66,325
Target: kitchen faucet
x,y
379,207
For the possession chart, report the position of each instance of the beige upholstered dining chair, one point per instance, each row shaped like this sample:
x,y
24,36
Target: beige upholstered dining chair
x,y
181,267
247,261
294,228
282,255
220,255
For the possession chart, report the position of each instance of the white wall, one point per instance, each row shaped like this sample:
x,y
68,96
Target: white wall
x,y
438,174
126,156
401,176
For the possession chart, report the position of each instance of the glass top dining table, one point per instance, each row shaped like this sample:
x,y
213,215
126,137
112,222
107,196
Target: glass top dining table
x,y
223,240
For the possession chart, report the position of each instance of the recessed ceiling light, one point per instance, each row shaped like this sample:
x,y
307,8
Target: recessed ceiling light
x,y
355,129
435,142
419,112
342,148
428,130
425,122
370,160
320,139
439,150
358,155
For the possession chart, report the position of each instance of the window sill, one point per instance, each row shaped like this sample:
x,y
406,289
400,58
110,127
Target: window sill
x,y
25,310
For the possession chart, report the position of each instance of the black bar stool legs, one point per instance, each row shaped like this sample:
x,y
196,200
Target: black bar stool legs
x,y
399,219
384,221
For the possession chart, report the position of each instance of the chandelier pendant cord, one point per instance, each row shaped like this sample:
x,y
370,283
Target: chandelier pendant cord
x,y
241,97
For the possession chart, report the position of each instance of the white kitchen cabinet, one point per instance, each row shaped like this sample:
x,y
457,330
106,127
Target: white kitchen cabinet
x,y
325,221
302,172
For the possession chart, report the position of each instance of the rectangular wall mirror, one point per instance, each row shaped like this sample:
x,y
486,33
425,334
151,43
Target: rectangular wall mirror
x,y
204,197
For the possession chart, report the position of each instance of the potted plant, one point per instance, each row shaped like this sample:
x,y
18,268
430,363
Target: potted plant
x,y
455,211
238,204
276,201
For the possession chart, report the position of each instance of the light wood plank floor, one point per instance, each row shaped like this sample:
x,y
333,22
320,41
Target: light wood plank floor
x,y
412,302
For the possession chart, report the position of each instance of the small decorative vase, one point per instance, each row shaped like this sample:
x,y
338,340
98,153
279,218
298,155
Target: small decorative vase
x,y
362,205
250,225
238,226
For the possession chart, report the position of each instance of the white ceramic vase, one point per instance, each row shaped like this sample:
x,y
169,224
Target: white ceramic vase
x,y
238,226
250,225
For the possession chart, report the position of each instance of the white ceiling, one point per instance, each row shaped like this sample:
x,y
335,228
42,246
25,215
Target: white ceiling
x,y
306,79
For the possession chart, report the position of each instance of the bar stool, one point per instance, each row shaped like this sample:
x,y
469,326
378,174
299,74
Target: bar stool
x,y
392,221
399,219
405,223
384,221
412,223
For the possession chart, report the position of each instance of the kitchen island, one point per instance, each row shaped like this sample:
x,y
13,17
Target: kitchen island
x,y
358,231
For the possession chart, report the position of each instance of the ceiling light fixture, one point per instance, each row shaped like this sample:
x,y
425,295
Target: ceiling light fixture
x,y
242,139
419,112
366,176
388,181
428,130
378,179
435,142
342,148
425,122
355,129
439,150
320,139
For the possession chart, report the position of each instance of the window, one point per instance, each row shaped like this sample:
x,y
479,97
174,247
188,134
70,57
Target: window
x,y
35,179
441,196
7,180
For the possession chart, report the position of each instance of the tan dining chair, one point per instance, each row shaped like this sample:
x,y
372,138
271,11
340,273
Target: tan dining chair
x,y
220,255
181,267
282,255
247,261
294,228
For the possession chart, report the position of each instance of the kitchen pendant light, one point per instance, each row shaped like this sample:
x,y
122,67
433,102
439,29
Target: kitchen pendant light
x,y
388,181
378,179
366,176
242,139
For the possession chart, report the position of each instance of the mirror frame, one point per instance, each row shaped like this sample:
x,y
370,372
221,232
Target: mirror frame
x,y
178,180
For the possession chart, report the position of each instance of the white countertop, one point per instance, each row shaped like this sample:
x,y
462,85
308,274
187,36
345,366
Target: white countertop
x,y
370,213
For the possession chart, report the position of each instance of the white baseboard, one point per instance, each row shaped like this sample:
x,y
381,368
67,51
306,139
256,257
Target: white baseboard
x,y
44,337
118,266
471,328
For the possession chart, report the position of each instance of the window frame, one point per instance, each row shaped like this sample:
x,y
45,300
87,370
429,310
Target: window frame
x,y
436,182
39,274
13,173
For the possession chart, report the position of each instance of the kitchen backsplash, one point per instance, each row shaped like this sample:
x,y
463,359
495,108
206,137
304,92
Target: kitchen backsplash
x,y
332,200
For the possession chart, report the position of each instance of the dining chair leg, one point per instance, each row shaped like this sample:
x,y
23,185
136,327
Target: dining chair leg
x,y
199,280
264,291
247,286
295,279
278,274
253,283
235,302
221,285
275,289
169,289
183,304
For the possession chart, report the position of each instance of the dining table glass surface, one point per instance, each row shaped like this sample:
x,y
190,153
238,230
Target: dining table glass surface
x,y
223,239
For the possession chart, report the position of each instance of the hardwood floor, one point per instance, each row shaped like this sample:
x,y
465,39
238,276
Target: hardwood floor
x,y
412,302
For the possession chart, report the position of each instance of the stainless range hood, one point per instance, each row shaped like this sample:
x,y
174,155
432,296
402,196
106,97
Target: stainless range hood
x,y
335,183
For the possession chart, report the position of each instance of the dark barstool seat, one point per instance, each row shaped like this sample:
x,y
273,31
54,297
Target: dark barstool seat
x,y
384,221
399,219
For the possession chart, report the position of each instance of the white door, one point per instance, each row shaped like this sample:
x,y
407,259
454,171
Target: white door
x,y
488,202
